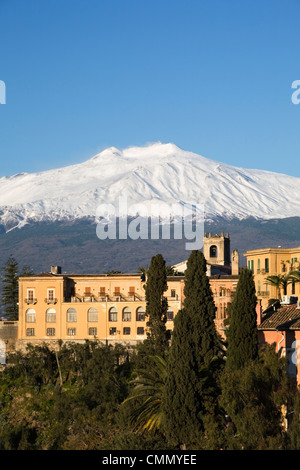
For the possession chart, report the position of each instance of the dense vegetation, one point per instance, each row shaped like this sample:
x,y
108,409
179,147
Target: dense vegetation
x,y
77,399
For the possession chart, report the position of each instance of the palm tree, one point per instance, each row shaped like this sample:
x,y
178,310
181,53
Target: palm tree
x,y
170,271
295,275
280,281
143,269
144,272
147,395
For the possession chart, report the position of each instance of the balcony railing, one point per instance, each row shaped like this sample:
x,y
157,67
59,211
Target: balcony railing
x,y
106,298
263,294
30,300
51,301
176,297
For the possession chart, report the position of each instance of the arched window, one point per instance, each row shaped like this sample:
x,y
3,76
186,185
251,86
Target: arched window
x,y
51,315
126,314
140,314
72,315
113,314
92,314
30,315
170,314
213,251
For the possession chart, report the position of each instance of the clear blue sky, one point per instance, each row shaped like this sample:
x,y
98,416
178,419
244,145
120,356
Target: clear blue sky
x,y
214,77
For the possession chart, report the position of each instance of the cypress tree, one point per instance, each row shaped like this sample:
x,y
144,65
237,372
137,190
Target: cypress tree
x,y
157,305
10,290
190,395
242,334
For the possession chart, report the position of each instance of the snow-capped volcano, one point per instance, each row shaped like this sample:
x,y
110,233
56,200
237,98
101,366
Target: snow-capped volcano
x,y
157,172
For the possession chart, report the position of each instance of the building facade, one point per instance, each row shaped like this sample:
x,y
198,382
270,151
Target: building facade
x,y
272,261
280,327
111,308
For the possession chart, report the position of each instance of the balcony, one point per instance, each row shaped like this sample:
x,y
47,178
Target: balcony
x,y
107,298
30,301
51,301
263,294
174,297
103,297
89,298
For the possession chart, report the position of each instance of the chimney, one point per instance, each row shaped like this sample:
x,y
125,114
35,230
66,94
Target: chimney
x,y
258,312
55,270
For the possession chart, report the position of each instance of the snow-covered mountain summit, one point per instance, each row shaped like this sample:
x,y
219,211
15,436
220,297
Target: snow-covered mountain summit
x,y
156,172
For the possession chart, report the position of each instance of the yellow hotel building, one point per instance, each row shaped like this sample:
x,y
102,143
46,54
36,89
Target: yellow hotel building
x,y
109,308
273,261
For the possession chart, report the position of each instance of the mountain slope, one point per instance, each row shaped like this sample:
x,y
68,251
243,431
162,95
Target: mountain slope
x,y
158,172
75,246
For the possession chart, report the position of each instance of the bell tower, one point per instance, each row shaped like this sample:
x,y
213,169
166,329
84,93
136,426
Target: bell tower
x,y
216,249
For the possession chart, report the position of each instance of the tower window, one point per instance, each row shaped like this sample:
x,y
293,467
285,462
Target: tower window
x,y
213,252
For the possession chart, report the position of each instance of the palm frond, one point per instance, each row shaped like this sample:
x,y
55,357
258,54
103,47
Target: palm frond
x,y
147,393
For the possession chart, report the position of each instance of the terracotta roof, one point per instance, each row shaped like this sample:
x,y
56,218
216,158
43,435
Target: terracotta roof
x,y
41,275
65,275
224,276
284,318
